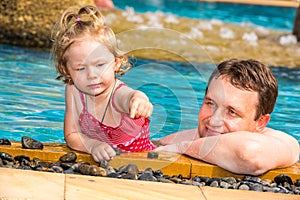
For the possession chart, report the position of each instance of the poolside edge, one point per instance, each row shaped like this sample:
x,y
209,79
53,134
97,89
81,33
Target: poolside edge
x,y
170,164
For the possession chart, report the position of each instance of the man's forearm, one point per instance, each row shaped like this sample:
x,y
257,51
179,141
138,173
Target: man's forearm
x,y
242,152
186,135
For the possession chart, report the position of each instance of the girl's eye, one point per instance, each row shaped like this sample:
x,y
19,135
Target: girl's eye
x,y
100,64
80,68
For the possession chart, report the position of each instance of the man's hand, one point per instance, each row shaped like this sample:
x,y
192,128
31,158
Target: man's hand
x,y
180,148
173,148
140,105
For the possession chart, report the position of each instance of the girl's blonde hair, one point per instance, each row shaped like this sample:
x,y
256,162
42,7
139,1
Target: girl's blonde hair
x,y
74,25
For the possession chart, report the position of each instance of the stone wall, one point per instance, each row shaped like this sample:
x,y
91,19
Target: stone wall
x,y
29,22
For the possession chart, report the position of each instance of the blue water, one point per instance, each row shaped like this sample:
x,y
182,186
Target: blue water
x,y
272,17
32,101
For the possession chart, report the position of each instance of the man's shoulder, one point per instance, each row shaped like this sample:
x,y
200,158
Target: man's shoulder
x,y
279,135
273,132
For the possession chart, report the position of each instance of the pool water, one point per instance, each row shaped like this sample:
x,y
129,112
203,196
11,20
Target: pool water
x,y
32,101
272,17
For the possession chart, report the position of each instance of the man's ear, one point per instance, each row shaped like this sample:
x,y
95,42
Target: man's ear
x,y
262,122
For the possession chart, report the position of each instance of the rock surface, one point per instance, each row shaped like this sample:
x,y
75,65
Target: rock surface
x,y
29,23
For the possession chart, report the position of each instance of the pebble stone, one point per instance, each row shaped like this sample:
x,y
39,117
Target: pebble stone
x,y
152,155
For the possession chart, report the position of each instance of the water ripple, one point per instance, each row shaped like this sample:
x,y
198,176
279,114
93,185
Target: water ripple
x,y
32,101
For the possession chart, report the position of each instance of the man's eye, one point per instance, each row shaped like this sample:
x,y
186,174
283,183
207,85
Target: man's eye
x,y
232,112
210,103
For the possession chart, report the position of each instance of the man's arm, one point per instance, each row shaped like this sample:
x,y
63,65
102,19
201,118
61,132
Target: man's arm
x,y
242,152
186,135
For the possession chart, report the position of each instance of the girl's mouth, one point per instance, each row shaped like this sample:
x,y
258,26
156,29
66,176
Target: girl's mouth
x,y
93,86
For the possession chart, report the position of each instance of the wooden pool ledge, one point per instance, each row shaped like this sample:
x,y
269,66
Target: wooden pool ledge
x,y
23,184
283,3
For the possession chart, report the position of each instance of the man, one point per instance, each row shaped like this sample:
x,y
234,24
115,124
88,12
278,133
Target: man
x,y
232,131
105,4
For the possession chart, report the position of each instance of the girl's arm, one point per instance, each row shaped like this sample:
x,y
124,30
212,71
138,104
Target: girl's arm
x,y
133,102
73,136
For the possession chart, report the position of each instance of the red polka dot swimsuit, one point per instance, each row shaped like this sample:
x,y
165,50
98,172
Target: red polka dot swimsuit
x,y
131,135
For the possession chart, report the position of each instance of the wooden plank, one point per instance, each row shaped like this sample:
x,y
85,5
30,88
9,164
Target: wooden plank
x,y
283,3
89,187
170,164
50,152
24,184
212,193
204,169
292,171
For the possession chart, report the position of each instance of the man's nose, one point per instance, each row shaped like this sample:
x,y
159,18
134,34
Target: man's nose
x,y
217,118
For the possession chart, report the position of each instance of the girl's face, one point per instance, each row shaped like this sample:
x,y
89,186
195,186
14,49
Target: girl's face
x,y
228,109
91,66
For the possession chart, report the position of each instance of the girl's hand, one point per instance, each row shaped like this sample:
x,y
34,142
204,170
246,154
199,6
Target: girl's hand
x,y
140,105
101,151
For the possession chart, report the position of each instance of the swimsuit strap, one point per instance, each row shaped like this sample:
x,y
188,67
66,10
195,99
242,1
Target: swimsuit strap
x,y
82,99
108,102
106,107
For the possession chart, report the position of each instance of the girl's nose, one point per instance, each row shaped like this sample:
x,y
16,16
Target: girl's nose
x,y
91,73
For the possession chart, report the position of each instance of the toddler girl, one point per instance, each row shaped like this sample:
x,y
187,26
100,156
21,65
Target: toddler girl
x,y
102,112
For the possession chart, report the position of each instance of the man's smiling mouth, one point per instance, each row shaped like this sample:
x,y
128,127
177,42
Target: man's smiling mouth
x,y
211,132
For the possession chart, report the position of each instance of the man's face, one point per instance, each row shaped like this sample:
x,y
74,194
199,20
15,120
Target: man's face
x,y
227,109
